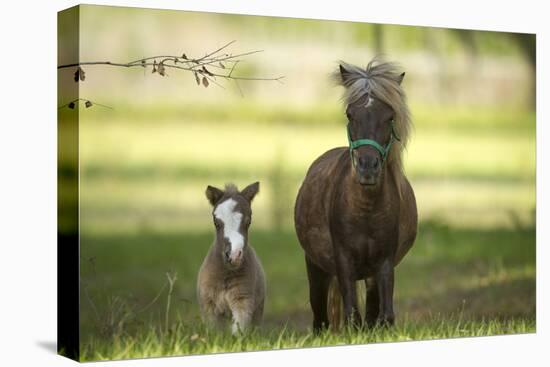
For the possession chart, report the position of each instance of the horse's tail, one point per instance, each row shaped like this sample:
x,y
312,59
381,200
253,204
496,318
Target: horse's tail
x,y
335,307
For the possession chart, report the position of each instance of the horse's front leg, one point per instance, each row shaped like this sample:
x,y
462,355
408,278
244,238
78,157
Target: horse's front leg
x,y
346,282
319,282
384,281
372,304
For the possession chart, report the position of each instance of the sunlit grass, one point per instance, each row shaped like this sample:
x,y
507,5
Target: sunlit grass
x,y
171,147
185,339
114,204
153,174
328,112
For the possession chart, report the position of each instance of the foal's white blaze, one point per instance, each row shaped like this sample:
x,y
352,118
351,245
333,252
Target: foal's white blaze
x,y
231,223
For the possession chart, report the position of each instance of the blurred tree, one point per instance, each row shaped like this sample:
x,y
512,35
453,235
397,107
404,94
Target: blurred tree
x,y
378,35
527,43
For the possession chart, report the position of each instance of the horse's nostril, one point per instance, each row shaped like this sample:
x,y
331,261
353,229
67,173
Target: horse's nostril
x,y
362,164
368,164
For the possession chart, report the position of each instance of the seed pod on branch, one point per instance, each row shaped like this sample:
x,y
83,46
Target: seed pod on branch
x,y
160,69
79,74
206,71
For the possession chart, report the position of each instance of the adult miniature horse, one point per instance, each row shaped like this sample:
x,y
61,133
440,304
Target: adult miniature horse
x,y
355,213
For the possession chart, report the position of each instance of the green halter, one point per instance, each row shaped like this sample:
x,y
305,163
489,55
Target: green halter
x,y
384,151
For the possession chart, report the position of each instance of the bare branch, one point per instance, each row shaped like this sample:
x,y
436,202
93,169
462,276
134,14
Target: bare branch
x,y
212,60
72,104
215,52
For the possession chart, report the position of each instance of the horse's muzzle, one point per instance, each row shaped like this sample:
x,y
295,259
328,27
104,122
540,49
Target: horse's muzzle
x,y
368,170
368,181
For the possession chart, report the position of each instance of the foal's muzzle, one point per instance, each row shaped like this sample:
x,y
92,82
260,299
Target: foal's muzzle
x,y
233,258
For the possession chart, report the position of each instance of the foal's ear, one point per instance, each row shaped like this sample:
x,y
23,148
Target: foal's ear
x,y
213,194
400,79
250,191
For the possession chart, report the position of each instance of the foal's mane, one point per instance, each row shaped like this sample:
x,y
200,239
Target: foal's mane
x,y
231,189
381,79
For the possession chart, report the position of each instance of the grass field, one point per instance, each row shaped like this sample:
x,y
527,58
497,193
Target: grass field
x,y
144,215
186,340
453,283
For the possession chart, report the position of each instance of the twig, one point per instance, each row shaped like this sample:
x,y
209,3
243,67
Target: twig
x,y
192,69
171,280
218,50
152,302
239,88
194,65
92,304
87,103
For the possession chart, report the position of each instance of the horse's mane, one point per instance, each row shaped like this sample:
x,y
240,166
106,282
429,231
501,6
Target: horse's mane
x,y
382,80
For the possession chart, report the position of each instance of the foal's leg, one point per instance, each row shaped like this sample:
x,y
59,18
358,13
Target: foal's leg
x,y
242,317
372,304
209,314
319,282
258,314
384,279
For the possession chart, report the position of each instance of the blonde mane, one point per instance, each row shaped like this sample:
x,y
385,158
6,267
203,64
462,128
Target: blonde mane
x,y
382,80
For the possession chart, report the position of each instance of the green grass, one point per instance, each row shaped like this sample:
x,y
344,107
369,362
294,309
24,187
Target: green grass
x,y
185,339
455,282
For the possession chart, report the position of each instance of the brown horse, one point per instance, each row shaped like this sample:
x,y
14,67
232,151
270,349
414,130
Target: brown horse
x,y
355,213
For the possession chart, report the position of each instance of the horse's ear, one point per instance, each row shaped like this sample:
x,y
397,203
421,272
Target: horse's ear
x,y
400,79
250,191
344,74
213,194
